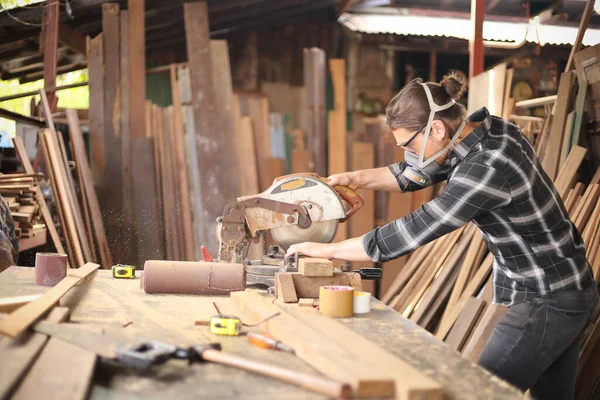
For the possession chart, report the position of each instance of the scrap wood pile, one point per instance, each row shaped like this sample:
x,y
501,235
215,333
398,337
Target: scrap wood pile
x,y
446,286
19,192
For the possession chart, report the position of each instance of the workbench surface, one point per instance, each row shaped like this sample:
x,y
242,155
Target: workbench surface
x,y
112,303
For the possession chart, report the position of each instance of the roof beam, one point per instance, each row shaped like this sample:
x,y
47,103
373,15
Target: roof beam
x,y
72,38
493,5
50,41
59,70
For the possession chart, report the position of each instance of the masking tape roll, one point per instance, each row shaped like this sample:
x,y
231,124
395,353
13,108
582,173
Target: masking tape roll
x,y
336,301
362,302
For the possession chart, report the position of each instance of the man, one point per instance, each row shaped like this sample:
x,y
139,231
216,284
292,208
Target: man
x,y
495,180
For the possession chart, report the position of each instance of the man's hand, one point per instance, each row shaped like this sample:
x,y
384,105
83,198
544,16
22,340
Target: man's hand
x,y
310,249
344,179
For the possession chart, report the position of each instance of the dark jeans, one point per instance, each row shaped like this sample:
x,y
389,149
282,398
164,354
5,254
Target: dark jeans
x,y
536,344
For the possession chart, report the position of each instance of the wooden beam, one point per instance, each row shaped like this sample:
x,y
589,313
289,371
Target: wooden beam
x,y
212,143
324,354
137,68
21,319
568,173
464,323
96,136
476,41
20,353
72,38
90,192
488,322
583,24
51,28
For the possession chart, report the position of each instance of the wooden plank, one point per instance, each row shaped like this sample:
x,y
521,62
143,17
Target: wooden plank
x,y
551,152
315,266
137,69
583,24
182,169
325,355
337,161
50,48
580,114
258,107
96,86
572,197
491,316
487,90
112,201
20,353
90,192
245,147
509,103
85,206
470,263
410,382
128,226
308,287
363,157
212,143
566,144
10,304
314,83
22,318
72,236
464,323
476,59
274,168
451,313
591,227
155,133
568,172
71,367
587,208
286,291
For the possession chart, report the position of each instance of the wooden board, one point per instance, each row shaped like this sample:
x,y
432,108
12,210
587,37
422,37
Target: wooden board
x,y
487,90
20,353
587,208
8,305
211,141
245,147
337,157
90,192
22,318
181,168
551,152
258,107
410,382
24,158
308,287
95,59
285,289
490,318
325,355
464,323
62,371
363,157
568,172
315,266
451,313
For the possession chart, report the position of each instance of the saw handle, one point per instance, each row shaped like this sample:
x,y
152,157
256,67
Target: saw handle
x,y
351,197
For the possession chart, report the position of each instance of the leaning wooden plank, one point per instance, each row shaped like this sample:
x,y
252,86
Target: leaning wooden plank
x,y
95,57
410,382
10,304
212,142
583,24
328,356
22,318
90,191
245,147
587,207
19,353
470,263
181,169
484,329
472,289
551,153
464,323
62,197
337,137
568,172
573,195
72,370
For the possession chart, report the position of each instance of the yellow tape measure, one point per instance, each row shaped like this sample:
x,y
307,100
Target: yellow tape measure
x,y
225,325
121,271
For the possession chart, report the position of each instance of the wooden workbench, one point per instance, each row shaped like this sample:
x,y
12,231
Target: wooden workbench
x,y
112,303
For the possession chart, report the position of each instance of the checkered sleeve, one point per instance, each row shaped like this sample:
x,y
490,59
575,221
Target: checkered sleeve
x,y
473,189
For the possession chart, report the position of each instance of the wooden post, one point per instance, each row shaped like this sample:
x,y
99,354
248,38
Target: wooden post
x,y
217,180
476,42
433,65
51,28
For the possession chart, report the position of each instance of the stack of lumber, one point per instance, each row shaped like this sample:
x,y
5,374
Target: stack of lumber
x,y
19,191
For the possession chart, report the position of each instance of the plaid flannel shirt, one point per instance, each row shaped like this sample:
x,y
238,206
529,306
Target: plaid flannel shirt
x,y
495,179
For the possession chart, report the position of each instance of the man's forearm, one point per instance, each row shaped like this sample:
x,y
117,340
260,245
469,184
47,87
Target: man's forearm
x,y
376,179
349,250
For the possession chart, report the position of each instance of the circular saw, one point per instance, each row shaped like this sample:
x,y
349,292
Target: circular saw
x,y
296,208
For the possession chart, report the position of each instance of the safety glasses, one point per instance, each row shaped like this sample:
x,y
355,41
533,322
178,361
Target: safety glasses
x,y
403,145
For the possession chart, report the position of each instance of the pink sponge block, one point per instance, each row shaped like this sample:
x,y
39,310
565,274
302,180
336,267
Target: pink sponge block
x,y
50,268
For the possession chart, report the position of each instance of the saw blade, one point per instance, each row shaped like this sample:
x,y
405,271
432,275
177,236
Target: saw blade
x,y
320,232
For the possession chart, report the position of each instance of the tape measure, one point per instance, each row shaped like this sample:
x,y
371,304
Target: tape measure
x,y
121,271
225,325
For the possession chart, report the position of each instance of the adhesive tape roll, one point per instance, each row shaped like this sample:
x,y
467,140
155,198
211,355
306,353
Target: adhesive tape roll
x,y
336,301
362,302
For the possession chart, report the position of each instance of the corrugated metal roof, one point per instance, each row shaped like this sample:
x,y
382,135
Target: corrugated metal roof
x,y
417,25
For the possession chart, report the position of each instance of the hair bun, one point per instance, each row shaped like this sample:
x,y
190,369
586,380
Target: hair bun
x,y
455,84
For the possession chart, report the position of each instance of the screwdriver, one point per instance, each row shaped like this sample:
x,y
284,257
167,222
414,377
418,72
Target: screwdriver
x,y
266,341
